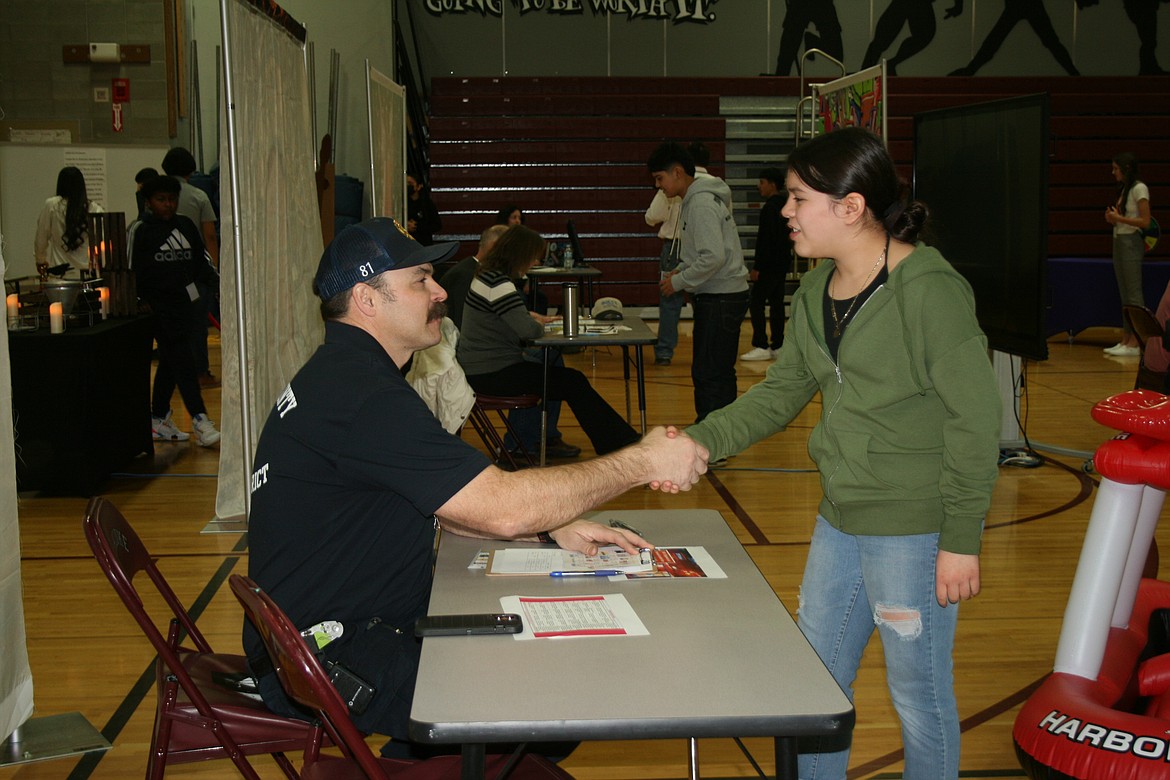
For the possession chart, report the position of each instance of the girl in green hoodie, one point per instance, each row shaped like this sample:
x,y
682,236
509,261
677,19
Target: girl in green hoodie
x,y
906,446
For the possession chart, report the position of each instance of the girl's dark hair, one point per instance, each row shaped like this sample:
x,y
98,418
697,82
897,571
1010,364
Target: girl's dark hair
x,y
1127,163
506,211
71,187
853,159
513,252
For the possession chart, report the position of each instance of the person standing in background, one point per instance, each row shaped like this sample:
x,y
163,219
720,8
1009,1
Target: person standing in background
x,y
770,269
168,257
1129,215
62,236
664,212
711,268
196,206
142,177
422,217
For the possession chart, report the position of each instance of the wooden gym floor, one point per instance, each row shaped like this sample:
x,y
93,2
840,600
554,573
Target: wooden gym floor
x,y
87,655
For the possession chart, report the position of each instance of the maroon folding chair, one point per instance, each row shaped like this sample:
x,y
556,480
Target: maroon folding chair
x,y
197,718
491,437
306,682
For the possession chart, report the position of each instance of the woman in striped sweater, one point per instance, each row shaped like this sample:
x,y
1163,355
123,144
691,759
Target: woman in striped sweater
x,y
496,327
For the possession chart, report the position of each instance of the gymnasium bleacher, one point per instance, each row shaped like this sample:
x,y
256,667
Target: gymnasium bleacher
x,y
575,147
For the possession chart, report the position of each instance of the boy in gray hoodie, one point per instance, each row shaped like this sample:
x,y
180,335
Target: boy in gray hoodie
x,y
711,269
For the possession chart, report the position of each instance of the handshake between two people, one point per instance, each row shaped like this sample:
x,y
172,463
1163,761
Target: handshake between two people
x,y
675,460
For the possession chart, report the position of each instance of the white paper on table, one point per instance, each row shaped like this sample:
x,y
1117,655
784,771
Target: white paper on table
x,y
574,616
545,560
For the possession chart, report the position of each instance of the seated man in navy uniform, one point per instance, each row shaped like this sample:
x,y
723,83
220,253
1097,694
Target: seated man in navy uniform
x,y
353,477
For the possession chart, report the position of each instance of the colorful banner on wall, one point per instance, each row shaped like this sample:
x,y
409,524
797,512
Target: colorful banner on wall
x,y
677,11
858,100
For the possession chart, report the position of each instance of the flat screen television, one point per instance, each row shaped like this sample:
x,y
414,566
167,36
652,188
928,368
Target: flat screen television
x,y
575,242
982,169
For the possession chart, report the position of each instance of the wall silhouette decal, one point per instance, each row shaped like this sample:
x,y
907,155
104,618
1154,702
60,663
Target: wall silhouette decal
x,y
1014,12
800,14
918,15
1144,15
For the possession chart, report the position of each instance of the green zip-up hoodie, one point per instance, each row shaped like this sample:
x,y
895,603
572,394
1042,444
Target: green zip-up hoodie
x,y
908,439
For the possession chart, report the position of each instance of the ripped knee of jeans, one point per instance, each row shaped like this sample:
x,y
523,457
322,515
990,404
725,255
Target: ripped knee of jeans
x,y
903,621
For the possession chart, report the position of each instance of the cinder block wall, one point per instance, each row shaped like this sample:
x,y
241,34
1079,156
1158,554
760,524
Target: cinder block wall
x,y
36,86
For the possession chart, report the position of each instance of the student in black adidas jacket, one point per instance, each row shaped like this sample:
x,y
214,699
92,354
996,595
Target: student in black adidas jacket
x,y
168,256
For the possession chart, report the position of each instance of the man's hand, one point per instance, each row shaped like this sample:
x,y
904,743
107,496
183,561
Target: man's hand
x,y
956,577
666,284
585,537
677,460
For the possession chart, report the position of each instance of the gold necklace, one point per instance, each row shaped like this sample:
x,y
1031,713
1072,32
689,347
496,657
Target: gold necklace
x,y
839,323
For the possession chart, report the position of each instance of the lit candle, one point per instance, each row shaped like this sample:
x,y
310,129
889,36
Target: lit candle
x,y
13,301
104,296
56,318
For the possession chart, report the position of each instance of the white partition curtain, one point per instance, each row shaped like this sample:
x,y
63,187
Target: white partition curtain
x,y
271,230
386,107
16,685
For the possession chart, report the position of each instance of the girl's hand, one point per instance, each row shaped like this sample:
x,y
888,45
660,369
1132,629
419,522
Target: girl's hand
x,y
956,577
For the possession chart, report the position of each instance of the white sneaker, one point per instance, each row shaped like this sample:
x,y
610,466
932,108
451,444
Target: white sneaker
x,y
163,429
1121,351
1111,350
758,353
205,433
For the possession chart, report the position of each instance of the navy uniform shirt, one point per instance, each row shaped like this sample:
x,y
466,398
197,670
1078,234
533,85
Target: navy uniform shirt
x,y
349,471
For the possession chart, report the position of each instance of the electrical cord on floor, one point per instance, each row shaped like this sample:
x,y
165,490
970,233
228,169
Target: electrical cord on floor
x,y
1021,457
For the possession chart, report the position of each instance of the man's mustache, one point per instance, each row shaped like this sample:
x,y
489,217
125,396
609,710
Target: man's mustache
x,y
437,311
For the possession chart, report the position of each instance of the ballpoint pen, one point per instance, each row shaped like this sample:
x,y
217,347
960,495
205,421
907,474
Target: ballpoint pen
x,y
620,524
597,573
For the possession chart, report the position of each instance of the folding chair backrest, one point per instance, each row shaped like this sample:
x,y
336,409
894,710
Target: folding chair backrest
x,y
1145,325
121,555
301,675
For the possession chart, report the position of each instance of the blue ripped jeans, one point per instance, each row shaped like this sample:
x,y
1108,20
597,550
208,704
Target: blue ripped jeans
x,y
853,584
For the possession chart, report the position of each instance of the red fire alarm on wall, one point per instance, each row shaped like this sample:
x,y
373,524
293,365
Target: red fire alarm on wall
x,y
120,90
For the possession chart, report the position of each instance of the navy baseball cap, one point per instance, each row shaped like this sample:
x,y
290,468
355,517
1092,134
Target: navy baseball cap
x,y
362,251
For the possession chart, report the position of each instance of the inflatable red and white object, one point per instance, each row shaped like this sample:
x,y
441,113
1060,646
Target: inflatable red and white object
x,y
1104,712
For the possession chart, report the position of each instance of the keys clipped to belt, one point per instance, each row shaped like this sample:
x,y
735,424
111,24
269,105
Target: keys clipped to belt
x,y
322,634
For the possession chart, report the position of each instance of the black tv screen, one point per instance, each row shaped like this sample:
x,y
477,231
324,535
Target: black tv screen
x,y
575,242
982,170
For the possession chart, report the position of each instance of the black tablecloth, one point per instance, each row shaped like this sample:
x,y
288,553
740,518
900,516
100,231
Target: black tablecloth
x,y
81,403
